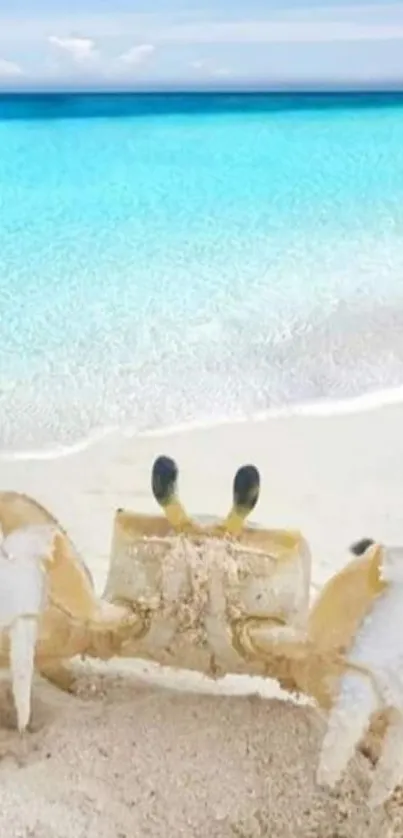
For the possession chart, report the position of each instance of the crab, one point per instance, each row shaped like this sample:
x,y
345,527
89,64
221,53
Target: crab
x,y
220,597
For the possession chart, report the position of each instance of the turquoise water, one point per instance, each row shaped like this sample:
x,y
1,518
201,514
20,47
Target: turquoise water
x,y
179,259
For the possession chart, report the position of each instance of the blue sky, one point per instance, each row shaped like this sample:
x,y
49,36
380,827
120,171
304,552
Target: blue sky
x,y
129,43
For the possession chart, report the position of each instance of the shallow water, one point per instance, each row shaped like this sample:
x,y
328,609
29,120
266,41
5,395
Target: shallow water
x,y
172,260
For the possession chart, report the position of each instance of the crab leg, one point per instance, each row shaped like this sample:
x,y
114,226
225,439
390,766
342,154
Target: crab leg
x,y
347,722
57,674
377,649
246,490
164,485
23,635
282,650
389,771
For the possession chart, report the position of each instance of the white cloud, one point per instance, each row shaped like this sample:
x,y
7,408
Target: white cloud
x,y
206,68
83,53
136,55
103,52
79,50
9,69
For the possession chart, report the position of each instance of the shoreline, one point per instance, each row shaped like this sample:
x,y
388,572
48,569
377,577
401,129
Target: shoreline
x,y
246,759
373,400
346,359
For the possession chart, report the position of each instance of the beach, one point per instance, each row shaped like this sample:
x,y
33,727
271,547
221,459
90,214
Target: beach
x,y
144,752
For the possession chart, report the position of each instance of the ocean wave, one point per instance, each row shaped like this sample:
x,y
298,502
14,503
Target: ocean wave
x,y
349,361
324,408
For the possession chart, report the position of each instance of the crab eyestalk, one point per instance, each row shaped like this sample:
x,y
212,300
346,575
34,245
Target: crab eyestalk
x,y
246,489
164,485
360,547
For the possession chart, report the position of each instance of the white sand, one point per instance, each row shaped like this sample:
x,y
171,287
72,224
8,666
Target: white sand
x,y
132,758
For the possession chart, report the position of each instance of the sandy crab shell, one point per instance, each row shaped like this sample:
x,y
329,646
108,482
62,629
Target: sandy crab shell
x,y
196,591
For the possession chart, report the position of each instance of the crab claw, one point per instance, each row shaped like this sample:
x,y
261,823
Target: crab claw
x,y
24,554
372,680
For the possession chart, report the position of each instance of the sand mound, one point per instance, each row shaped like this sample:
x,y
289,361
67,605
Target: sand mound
x,y
126,760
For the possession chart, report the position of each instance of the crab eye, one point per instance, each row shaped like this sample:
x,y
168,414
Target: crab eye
x,y
164,477
246,487
361,547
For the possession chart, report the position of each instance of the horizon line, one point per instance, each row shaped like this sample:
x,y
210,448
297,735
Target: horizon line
x,y
316,88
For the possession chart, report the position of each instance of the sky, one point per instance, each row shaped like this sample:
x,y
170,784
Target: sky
x,y
199,43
